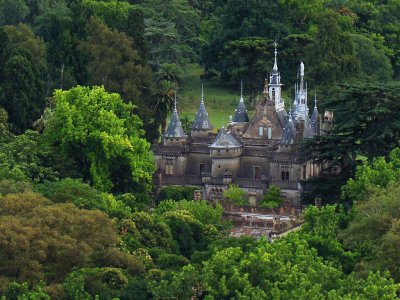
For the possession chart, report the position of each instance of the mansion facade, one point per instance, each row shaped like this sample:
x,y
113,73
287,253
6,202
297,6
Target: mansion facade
x,y
250,152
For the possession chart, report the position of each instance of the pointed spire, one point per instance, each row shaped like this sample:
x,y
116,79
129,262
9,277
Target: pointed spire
x,y
175,129
241,91
241,111
315,99
276,53
202,121
175,101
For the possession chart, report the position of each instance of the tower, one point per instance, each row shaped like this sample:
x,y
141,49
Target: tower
x,y
275,86
300,98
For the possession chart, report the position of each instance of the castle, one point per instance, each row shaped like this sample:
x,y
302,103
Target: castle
x,y
252,153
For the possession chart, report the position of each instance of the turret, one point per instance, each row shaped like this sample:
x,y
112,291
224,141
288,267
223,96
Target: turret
x,y
201,125
174,135
275,86
300,98
241,115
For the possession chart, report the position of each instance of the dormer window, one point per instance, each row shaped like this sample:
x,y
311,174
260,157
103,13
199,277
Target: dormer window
x,y
260,131
269,132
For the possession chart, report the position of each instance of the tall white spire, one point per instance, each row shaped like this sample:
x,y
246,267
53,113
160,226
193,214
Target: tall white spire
x,y
274,86
276,54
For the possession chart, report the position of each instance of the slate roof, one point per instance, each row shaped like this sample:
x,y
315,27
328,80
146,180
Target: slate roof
x,y
202,121
224,140
241,115
175,129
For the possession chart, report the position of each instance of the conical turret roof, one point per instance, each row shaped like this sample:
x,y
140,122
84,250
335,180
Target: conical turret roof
x,y
202,122
175,129
225,140
241,112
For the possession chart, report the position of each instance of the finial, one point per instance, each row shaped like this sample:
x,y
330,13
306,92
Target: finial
x,y
276,53
315,99
241,90
301,68
202,93
175,101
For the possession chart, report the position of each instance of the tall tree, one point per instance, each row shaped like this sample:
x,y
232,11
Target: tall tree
x,y
99,132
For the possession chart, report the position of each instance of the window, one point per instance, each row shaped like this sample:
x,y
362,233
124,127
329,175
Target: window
x,y
285,173
269,133
202,168
169,167
257,173
305,172
273,94
260,131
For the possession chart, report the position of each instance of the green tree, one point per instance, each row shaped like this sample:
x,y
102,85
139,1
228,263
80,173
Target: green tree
x,y
331,56
170,72
98,131
45,241
163,100
373,175
374,231
25,157
83,196
272,198
23,57
114,63
236,194
13,12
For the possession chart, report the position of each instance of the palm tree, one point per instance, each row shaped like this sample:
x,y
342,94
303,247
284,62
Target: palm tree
x,y
163,101
170,72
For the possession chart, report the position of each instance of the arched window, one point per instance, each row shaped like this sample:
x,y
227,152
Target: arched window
x,y
273,94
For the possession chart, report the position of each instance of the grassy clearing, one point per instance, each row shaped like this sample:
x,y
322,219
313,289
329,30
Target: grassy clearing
x,y
220,100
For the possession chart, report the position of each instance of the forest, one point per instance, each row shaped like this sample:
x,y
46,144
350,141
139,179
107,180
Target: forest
x,y
86,86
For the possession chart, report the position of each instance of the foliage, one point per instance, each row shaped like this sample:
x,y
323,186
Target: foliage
x,y
83,196
105,283
100,134
40,240
23,57
372,176
25,158
177,192
236,194
272,198
201,210
120,72
374,231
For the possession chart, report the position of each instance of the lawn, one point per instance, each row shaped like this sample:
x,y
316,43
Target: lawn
x,y
220,100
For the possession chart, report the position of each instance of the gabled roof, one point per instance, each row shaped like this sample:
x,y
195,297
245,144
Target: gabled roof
x,y
175,129
241,115
224,140
201,121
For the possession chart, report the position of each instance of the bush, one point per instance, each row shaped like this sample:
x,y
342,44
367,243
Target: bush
x,y
177,193
236,195
272,198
